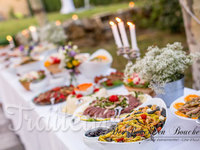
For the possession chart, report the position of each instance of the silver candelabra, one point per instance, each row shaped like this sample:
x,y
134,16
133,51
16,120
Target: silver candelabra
x,y
128,53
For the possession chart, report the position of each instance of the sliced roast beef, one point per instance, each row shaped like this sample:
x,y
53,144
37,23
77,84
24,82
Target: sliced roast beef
x,y
101,112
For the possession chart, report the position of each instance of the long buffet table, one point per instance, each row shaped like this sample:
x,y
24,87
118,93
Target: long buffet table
x,y
14,97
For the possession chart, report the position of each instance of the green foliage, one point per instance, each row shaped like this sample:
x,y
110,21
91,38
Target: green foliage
x,y
167,15
162,14
80,3
52,5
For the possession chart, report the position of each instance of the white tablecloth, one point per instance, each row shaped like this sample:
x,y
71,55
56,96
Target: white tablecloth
x,y
13,95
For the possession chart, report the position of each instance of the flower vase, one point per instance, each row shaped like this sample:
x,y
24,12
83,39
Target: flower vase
x,y
172,91
73,80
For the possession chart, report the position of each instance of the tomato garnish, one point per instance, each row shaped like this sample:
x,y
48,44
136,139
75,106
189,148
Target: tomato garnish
x,y
113,98
62,96
73,93
56,89
143,116
96,90
120,139
159,128
79,96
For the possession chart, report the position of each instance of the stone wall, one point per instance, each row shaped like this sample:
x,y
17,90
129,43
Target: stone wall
x,y
92,31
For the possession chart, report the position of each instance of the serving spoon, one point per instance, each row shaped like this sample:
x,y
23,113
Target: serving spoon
x,y
118,111
52,100
198,120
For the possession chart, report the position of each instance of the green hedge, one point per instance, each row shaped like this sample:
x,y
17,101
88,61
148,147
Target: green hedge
x,y
55,5
161,14
52,5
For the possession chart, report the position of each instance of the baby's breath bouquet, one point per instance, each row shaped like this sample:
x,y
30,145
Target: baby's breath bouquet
x,y
53,33
160,66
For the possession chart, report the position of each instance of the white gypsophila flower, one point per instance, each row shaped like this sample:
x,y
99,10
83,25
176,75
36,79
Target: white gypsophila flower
x,y
161,65
52,33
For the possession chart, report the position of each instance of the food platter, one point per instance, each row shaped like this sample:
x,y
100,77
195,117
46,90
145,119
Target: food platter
x,y
104,104
59,93
114,79
94,143
181,100
94,67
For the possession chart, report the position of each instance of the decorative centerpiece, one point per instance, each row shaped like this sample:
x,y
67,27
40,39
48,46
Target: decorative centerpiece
x,y
53,63
125,49
69,60
162,70
33,76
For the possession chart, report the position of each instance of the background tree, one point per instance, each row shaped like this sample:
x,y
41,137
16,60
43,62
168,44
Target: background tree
x,y
39,12
191,16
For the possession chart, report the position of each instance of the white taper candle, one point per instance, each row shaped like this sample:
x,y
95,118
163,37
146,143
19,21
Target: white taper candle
x,y
34,34
122,32
116,34
133,36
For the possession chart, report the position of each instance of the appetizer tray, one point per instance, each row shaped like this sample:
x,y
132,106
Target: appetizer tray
x,y
59,94
191,107
113,80
105,108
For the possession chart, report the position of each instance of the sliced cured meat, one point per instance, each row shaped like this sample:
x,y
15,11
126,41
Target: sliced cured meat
x,y
98,111
92,112
105,108
59,94
86,112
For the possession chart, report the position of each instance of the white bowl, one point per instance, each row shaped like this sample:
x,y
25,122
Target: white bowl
x,y
93,143
36,86
92,69
28,67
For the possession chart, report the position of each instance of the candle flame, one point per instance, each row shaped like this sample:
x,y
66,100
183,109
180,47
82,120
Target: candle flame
x,y
118,19
130,24
58,22
131,4
25,32
75,17
111,23
32,28
9,38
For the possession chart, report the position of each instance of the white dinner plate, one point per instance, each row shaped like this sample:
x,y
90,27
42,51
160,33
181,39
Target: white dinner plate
x,y
181,100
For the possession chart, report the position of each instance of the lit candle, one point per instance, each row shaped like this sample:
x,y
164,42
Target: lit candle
x,y
116,34
122,32
34,34
131,4
10,40
75,17
25,33
58,23
133,36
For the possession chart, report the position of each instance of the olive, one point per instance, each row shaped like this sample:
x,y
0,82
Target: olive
x,y
163,112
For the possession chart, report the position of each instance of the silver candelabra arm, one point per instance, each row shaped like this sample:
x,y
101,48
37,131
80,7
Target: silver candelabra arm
x,y
128,53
